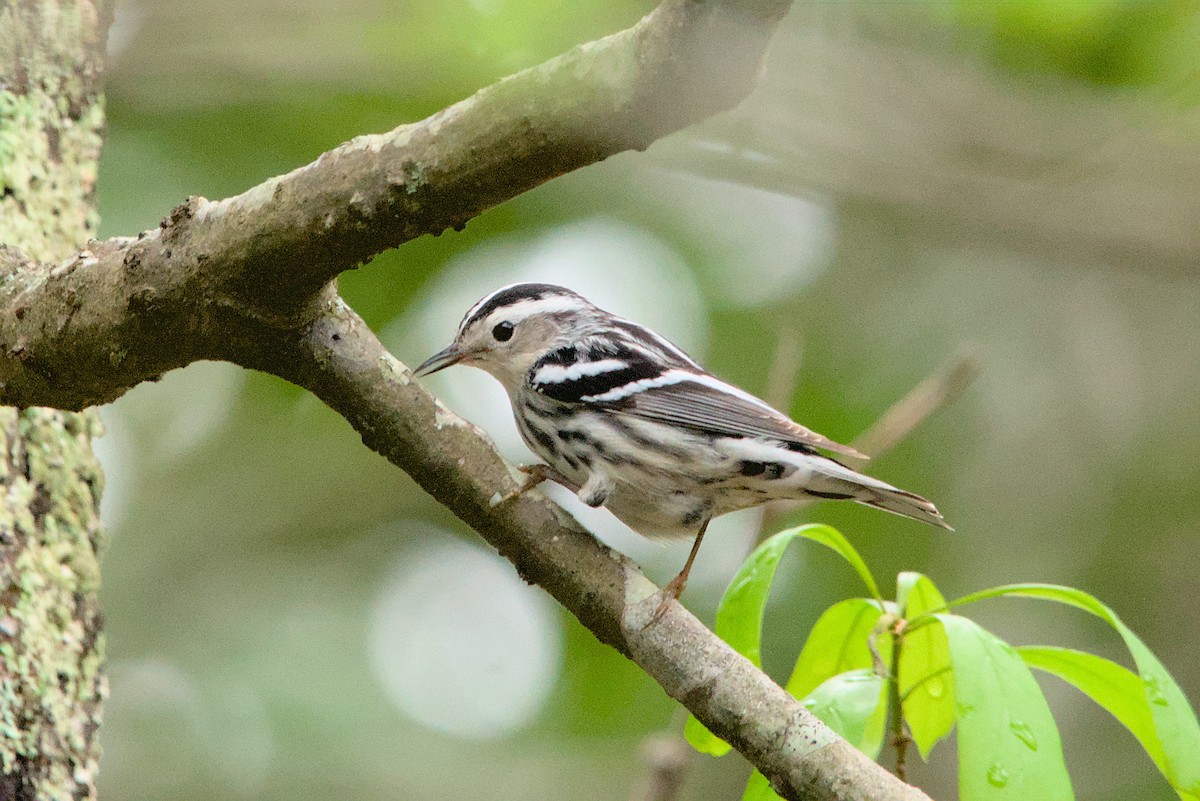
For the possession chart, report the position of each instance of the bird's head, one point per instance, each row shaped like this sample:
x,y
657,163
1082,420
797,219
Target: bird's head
x,y
506,332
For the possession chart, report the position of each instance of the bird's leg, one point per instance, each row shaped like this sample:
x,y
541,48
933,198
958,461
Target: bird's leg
x,y
535,475
675,586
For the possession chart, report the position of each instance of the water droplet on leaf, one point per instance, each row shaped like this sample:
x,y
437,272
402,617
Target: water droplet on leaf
x,y
1024,734
1154,690
997,776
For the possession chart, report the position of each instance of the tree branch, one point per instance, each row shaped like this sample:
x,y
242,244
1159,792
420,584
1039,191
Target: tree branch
x,y
249,280
210,261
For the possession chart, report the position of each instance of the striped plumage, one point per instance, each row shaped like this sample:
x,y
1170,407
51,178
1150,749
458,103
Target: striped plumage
x,y
630,422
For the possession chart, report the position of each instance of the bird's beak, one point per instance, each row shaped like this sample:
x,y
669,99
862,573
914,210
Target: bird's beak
x,y
444,358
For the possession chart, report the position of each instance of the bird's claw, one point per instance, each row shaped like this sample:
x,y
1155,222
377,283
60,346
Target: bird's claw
x,y
669,593
535,474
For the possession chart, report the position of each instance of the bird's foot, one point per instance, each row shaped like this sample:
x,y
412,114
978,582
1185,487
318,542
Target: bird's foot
x,y
535,474
667,596
675,586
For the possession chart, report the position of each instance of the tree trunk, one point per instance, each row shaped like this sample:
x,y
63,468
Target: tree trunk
x,y
51,649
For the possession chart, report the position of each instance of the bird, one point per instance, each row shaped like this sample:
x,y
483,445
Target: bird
x,y
628,421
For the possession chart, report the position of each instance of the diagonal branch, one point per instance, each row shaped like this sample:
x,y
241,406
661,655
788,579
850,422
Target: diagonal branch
x,y
340,360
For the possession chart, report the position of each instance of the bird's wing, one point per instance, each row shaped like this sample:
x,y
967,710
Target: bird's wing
x,y
666,388
702,402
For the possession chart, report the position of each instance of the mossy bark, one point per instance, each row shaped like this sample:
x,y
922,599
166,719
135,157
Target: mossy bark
x,y
51,649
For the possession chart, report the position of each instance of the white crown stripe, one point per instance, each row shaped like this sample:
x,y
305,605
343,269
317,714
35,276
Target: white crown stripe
x,y
483,302
525,309
562,300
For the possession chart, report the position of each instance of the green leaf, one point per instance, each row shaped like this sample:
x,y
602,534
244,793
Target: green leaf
x,y
1008,745
759,789
853,704
926,680
703,740
1108,684
837,644
1175,722
832,538
905,582
740,613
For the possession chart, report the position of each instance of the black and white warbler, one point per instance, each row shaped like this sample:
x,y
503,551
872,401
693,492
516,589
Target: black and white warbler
x,y
630,422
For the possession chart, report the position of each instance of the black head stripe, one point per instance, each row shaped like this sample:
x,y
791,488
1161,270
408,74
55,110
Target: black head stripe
x,y
509,295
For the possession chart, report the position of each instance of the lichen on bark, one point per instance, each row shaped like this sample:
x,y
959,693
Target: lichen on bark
x,y
51,649
51,118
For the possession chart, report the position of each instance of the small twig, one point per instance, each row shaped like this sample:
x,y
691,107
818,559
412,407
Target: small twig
x,y
923,400
900,736
667,757
894,426
895,626
886,622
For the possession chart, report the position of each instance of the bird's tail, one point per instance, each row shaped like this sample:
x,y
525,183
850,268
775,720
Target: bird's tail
x,y
834,480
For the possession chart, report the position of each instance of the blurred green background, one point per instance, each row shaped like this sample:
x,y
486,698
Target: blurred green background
x,y
289,617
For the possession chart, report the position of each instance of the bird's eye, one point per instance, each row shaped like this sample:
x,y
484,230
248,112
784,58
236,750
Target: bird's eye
x,y
503,331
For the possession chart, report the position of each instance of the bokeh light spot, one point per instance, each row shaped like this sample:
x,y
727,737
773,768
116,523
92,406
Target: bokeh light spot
x,y
459,644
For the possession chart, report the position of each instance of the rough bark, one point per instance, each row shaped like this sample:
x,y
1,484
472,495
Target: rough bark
x,y
51,649
249,279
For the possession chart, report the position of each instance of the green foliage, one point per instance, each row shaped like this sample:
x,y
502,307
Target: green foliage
x,y
1008,745
853,704
926,680
740,614
1175,723
838,643
866,656
1103,42
1113,687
